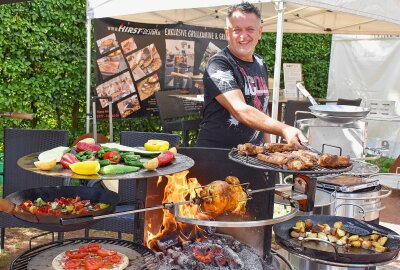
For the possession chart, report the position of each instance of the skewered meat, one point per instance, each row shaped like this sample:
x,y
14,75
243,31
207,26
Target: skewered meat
x,y
224,196
250,149
279,147
278,160
328,160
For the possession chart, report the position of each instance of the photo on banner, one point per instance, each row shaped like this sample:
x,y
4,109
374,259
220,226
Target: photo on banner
x,y
135,60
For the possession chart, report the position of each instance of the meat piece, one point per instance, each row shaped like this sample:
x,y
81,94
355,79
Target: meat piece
x,y
279,147
295,164
278,160
224,196
328,160
304,154
250,149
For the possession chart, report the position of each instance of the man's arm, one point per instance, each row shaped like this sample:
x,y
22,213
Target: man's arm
x,y
234,102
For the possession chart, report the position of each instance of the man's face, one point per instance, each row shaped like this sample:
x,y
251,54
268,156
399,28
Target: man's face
x,y
243,32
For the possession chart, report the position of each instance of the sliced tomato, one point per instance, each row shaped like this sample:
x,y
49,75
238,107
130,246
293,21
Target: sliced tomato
x,y
74,263
76,254
105,252
42,210
113,258
84,248
93,263
93,247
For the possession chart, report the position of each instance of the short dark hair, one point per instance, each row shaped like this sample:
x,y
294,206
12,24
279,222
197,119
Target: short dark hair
x,y
244,7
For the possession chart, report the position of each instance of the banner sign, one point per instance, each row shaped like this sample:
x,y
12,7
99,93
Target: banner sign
x,y
134,60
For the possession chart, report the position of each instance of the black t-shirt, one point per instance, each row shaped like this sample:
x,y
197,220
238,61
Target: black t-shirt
x,y
225,72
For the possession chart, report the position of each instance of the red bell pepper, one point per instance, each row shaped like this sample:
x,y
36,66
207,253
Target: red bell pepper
x,y
83,146
68,159
112,156
165,158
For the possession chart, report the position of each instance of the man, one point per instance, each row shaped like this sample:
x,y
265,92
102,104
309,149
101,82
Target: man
x,y
235,88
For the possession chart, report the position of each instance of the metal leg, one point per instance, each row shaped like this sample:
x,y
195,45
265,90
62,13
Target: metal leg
x,y
60,236
119,235
3,236
86,232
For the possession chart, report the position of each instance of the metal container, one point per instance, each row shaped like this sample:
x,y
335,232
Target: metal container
x,y
365,204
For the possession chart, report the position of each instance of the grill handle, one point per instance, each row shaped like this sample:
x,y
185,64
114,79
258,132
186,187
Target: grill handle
x,y
356,205
386,193
300,249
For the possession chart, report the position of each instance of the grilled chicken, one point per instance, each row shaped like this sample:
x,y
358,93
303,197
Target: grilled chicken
x,y
224,196
328,160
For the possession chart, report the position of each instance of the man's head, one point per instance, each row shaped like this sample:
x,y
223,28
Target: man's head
x,y
243,30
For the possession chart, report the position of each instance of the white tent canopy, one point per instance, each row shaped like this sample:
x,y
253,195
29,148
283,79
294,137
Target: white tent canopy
x,y
291,16
301,16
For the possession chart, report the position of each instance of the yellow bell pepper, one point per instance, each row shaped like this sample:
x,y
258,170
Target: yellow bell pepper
x,y
156,145
88,167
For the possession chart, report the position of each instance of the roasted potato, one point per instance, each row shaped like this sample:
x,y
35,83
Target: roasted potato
x,y
366,244
322,235
294,234
332,238
374,237
301,225
308,223
382,240
354,238
340,233
338,225
356,243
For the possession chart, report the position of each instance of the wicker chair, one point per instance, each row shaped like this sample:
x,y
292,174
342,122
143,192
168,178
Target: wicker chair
x,y
132,192
18,143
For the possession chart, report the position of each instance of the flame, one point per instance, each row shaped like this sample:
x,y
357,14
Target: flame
x,y
179,189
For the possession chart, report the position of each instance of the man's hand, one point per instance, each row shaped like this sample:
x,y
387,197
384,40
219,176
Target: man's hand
x,y
293,136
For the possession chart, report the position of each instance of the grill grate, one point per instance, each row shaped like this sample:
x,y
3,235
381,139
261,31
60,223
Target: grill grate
x,y
261,165
21,262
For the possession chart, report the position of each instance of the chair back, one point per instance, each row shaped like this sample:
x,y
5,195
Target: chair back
x,y
351,102
21,142
292,106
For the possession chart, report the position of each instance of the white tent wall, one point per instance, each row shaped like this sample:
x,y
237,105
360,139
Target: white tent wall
x,y
300,16
368,67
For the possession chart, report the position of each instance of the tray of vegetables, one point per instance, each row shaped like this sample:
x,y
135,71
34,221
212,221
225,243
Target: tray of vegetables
x,y
110,161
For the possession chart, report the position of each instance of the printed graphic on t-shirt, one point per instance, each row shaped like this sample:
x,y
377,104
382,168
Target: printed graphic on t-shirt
x,y
224,78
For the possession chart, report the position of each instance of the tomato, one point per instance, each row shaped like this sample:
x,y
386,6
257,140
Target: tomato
x,y
68,159
74,263
93,247
84,248
113,258
112,156
93,263
165,158
83,146
42,210
76,254
105,252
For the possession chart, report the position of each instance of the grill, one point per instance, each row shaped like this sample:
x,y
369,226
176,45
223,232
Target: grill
x,y
22,261
261,165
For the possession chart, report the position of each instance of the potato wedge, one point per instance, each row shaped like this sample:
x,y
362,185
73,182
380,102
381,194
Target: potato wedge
x,y
356,243
354,237
338,224
382,240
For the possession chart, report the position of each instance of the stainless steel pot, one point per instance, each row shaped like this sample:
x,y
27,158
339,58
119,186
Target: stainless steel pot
x,y
365,204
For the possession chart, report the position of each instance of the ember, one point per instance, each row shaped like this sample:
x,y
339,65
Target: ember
x,y
218,251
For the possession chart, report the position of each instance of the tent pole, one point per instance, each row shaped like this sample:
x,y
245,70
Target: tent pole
x,y
280,7
88,63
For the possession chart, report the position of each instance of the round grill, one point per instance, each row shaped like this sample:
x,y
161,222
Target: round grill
x,y
21,262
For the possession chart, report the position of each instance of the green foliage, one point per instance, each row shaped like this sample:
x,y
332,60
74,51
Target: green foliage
x,y
384,163
311,50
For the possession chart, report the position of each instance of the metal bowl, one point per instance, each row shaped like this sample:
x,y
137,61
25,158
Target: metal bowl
x,y
340,110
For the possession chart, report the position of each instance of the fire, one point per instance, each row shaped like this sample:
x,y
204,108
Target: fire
x,y
179,189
